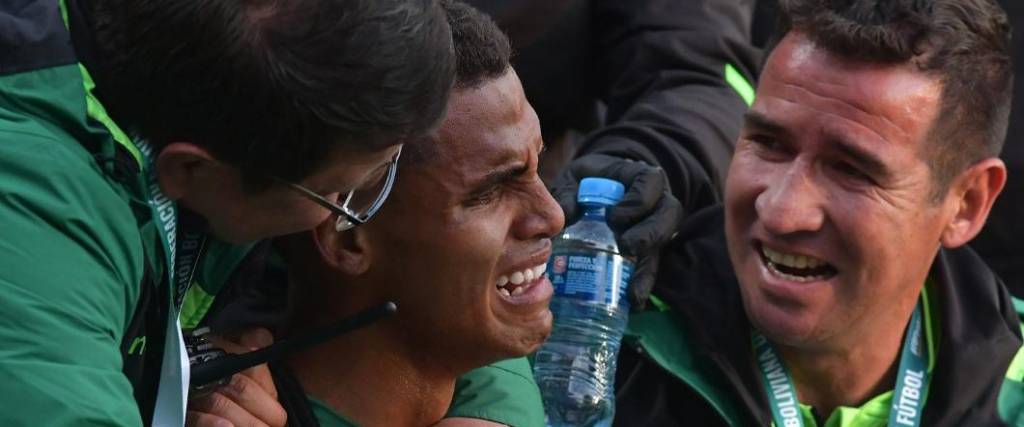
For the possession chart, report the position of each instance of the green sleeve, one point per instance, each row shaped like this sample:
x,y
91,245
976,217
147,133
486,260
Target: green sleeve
x,y
503,392
70,267
1011,394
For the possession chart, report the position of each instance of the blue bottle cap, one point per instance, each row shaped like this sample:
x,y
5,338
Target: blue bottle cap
x,y
602,191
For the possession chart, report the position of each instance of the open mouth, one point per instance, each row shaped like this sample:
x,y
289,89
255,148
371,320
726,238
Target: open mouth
x,y
519,282
795,267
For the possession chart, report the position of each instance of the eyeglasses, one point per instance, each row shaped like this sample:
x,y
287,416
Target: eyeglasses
x,y
360,204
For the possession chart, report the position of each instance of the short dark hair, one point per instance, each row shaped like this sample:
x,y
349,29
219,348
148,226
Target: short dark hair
x,y
482,50
964,43
482,53
272,86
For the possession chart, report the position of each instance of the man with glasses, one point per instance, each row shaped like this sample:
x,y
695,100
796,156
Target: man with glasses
x,y
136,138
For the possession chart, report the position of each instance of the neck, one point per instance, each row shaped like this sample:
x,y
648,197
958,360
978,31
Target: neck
x,y
365,377
826,381
850,373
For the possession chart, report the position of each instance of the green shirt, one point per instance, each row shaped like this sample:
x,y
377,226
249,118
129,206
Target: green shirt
x,y
503,392
328,417
875,412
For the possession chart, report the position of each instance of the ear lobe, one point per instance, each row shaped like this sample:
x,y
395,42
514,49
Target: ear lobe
x,y
179,164
345,251
976,189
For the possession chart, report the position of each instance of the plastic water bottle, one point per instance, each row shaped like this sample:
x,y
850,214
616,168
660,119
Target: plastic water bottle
x,y
575,368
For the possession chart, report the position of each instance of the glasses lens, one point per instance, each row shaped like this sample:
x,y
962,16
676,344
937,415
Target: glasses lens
x,y
364,201
364,198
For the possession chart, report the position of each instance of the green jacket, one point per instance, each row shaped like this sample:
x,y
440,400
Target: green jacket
x,y
691,362
81,265
76,245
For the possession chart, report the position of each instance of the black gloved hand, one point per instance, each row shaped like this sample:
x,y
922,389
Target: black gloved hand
x,y
646,218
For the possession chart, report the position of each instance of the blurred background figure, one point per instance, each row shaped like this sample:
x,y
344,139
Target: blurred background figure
x,y
591,64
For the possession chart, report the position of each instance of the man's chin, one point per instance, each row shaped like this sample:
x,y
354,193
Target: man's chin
x,y
510,344
533,342
525,338
524,321
787,325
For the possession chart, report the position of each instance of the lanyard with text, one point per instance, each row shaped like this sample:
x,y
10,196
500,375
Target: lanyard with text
x,y
181,260
908,396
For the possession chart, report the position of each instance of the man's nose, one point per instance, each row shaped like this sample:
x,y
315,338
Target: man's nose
x,y
793,203
542,217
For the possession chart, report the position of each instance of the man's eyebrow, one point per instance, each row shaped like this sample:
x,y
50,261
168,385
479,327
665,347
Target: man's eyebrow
x,y
870,161
760,121
865,159
500,175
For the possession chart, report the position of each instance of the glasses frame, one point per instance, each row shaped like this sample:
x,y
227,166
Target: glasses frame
x,y
347,218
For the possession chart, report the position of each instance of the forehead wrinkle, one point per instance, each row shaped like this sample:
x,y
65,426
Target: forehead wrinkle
x,y
903,98
859,112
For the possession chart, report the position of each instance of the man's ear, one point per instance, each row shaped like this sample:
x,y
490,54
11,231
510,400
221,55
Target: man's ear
x,y
345,251
180,163
975,191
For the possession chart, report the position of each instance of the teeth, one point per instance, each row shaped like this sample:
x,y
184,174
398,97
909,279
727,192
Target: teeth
x,y
790,260
792,278
539,270
517,278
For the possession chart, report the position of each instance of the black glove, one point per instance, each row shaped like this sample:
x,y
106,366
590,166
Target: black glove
x,y
647,217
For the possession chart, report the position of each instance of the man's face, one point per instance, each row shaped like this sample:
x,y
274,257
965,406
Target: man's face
x,y
238,215
463,218
830,222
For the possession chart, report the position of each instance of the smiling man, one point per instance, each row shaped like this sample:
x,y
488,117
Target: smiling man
x,y
460,247
833,287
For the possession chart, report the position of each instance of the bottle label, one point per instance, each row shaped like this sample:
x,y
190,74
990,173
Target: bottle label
x,y
599,277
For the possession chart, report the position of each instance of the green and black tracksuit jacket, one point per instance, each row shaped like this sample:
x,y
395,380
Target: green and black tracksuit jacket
x,y
78,252
83,305
690,361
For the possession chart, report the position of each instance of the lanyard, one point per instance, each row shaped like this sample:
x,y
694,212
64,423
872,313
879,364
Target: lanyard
x,y
181,260
908,396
